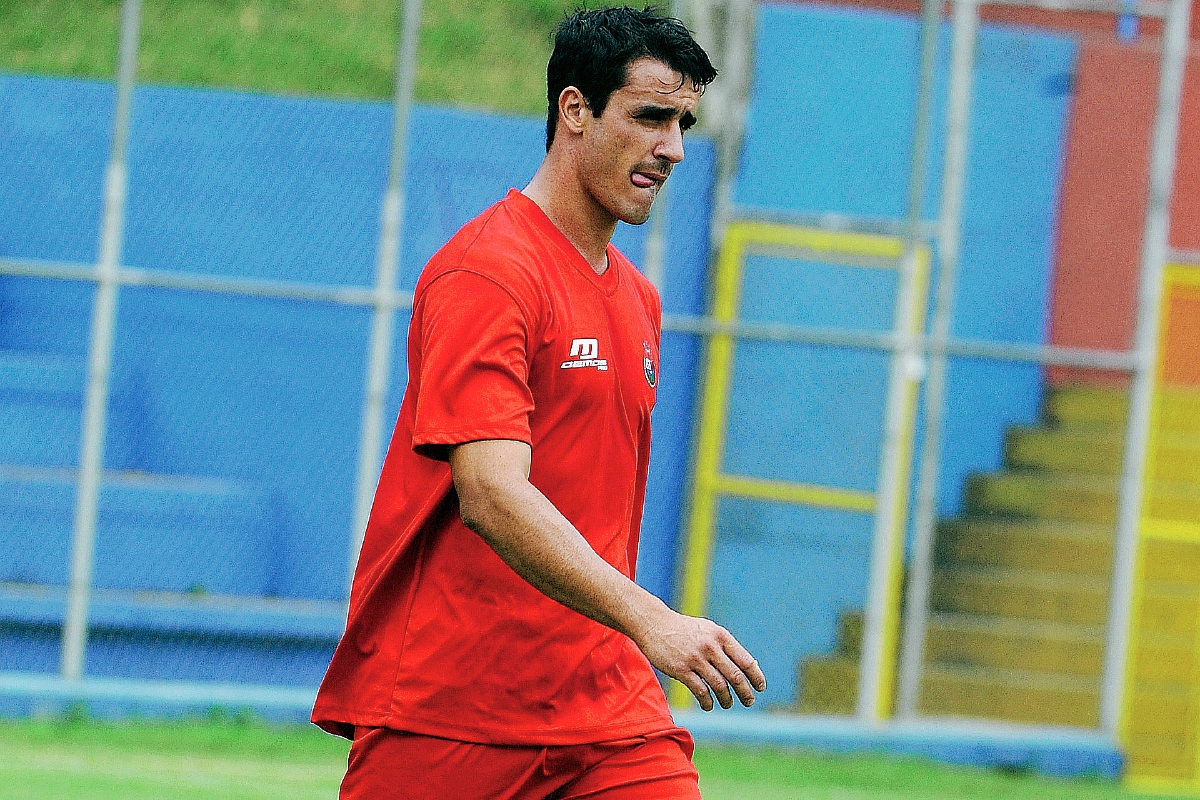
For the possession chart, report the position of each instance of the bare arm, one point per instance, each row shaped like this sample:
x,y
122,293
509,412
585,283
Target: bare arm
x,y
498,502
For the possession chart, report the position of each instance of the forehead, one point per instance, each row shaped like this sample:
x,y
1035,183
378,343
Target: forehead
x,y
650,81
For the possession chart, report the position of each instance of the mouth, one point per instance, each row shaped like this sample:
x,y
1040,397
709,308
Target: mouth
x,y
647,179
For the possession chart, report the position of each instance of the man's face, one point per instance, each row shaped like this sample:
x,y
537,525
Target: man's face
x,y
630,149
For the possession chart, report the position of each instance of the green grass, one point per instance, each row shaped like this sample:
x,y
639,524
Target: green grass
x,y
485,53
239,759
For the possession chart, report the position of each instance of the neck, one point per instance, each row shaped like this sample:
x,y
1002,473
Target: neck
x,y
586,224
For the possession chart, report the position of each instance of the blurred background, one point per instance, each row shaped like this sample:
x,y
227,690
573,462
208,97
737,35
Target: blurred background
x,y
928,429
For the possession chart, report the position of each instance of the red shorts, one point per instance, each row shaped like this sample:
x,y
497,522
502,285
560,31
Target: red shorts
x,y
393,765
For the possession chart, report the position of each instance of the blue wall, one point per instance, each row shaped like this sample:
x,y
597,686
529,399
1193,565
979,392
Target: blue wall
x,y
829,129
267,393
260,399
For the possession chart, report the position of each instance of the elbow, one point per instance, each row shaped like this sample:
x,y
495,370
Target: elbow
x,y
471,514
488,481
478,507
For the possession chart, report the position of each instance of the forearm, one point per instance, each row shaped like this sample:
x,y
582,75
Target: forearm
x,y
544,548
498,502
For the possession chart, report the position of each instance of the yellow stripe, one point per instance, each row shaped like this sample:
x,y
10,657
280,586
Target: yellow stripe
x,y
710,441
843,242
1183,274
711,436
1171,530
892,622
804,494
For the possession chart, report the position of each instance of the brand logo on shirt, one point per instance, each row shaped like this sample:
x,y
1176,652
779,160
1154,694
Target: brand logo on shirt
x,y
648,365
584,353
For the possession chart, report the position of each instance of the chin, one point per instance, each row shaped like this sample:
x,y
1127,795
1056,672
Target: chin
x,y
636,219
636,213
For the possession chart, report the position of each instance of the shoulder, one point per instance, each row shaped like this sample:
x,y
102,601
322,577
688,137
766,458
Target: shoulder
x,y
498,246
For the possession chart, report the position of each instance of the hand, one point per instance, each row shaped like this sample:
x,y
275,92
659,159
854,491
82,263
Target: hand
x,y
702,655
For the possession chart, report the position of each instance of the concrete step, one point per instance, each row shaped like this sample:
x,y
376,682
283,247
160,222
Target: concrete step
x,y
1044,495
1012,695
1179,411
1177,457
1159,757
41,408
171,613
1078,548
1173,562
1173,500
1169,608
1086,405
828,685
1159,709
162,533
972,640
1160,657
1093,450
850,634
1021,594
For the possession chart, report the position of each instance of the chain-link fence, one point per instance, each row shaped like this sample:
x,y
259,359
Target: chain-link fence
x,y
897,451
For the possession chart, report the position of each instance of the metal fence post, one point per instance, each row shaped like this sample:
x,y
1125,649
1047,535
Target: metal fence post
x,y
370,448
906,360
962,62
1154,256
104,317
654,266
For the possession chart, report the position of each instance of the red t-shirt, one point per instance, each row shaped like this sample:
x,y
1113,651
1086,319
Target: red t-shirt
x,y
513,336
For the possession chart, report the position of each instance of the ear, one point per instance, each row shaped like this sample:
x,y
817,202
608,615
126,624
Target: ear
x,y
572,109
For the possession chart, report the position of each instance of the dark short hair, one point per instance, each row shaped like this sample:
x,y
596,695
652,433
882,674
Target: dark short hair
x,y
593,49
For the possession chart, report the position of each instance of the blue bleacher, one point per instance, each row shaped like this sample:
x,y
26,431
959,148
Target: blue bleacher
x,y
234,421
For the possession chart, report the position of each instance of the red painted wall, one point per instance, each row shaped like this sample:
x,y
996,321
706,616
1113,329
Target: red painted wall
x,y
1104,196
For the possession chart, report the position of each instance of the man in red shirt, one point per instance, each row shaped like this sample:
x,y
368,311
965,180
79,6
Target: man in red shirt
x,y
497,645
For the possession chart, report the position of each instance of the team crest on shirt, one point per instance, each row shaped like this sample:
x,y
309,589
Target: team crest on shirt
x,y
585,353
648,366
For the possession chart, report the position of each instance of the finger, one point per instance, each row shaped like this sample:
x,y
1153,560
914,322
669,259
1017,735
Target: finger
x,y
699,688
746,662
720,686
736,677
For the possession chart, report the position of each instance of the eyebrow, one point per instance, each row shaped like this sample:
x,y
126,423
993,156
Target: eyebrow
x,y
663,114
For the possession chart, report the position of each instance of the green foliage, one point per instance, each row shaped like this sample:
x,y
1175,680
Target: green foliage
x,y
488,53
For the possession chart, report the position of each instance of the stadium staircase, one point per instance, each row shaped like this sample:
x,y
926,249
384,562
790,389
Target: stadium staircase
x,y
1019,596
181,563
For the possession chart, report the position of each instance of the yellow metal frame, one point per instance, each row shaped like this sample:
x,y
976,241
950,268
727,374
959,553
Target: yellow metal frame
x,y
709,484
1176,275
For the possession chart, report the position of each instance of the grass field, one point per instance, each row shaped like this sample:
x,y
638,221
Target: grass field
x,y
235,759
485,53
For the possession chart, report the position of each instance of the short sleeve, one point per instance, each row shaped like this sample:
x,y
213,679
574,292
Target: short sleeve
x,y
473,364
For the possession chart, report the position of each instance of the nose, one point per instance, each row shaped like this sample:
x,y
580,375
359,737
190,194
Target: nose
x,y
670,146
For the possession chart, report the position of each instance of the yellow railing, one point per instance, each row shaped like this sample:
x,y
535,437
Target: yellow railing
x,y
710,483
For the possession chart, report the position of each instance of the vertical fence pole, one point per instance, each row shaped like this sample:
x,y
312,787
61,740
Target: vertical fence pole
x,y
656,240
874,675
104,317
731,94
874,702
1154,256
962,63
370,447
